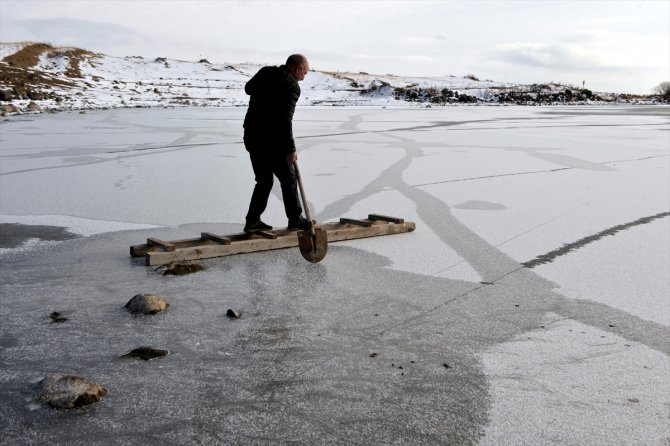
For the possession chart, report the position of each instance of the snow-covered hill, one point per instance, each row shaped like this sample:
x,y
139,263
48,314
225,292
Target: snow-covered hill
x,y
37,76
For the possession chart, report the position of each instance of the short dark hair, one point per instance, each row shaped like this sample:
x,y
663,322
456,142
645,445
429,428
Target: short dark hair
x,y
296,60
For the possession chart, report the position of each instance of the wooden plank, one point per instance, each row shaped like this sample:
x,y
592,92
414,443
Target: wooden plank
x,y
285,239
385,218
215,238
166,246
373,231
209,251
353,221
142,250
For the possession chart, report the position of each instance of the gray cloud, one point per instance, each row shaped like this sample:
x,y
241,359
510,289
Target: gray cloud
x,y
594,50
91,35
555,55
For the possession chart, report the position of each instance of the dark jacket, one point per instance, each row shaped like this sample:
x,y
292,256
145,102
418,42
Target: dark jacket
x,y
269,120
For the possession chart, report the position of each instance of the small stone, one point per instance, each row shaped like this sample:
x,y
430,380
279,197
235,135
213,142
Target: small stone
x,y
446,366
146,353
57,318
146,304
68,391
233,314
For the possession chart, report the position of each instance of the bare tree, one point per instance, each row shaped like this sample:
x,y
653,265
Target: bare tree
x,y
663,90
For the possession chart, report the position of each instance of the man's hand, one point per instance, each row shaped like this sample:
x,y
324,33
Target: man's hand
x,y
292,157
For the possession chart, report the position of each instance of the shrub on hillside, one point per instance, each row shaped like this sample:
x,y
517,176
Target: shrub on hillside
x,y
663,90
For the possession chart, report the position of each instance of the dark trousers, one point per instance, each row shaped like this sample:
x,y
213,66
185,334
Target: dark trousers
x,y
266,166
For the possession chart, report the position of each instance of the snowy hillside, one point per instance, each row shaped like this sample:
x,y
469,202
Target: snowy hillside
x,y
42,77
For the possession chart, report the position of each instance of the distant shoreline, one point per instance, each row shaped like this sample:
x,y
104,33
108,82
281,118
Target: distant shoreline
x,y
38,77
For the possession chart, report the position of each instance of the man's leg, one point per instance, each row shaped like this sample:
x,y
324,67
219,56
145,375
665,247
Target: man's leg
x,y
289,187
263,174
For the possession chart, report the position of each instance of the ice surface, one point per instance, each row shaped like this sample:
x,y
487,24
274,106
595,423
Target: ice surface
x,y
435,257
451,303
639,286
562,375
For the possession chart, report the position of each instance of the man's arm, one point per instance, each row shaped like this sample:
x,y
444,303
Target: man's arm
x,y
254,84
288,103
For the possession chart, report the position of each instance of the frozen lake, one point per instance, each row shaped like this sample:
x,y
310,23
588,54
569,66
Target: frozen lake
x,y
530,306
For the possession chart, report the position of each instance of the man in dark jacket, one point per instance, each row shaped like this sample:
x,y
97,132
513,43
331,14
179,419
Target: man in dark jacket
x,y
268,137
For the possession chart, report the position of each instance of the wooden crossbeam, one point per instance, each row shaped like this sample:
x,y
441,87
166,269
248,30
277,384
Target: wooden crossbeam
x,y
215,238
386,218
353,221
165,246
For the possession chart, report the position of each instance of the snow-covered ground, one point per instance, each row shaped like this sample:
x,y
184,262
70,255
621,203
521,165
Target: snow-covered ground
x,y
111,82
570,351
101,81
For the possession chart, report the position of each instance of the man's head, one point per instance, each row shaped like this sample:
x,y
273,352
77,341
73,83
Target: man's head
x,y
297,65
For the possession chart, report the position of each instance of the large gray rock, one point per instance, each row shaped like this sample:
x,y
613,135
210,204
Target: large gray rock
x,y
33,106
147,304
10,108
68,391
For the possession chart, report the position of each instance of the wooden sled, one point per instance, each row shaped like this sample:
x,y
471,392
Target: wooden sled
x,y
159,252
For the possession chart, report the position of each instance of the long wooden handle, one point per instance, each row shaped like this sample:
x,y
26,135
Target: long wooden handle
x,y
304,200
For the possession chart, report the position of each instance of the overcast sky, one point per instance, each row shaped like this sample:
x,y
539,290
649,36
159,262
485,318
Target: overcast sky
x,y
621,46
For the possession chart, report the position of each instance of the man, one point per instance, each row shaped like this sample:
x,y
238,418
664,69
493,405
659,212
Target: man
x,y
268,137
